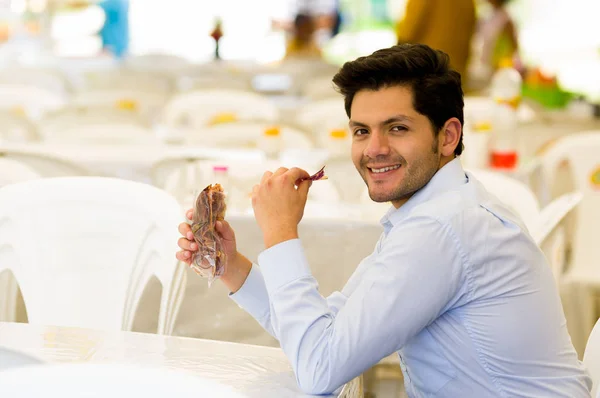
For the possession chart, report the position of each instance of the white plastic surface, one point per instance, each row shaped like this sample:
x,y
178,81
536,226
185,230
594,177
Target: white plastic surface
x,y
13,171
128,79
35,101
321,116
247,135
251,371
146,103
98,241
16,128
591,357
46,164
196,108
106,133
582,152
108,380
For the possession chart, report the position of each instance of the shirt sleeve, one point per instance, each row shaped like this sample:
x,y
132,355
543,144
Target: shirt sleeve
x,y
411,27
253,298
417,275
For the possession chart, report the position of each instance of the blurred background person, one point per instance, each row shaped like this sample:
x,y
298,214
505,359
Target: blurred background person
x,y
499,37
303,41
443,25
115,32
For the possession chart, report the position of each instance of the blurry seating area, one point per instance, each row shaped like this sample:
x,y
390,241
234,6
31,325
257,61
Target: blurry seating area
x,y
101,154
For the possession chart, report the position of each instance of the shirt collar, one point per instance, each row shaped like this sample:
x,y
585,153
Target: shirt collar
x,y
449,177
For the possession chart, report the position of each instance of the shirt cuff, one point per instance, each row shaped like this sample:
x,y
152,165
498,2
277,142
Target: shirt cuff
x,y
283,263
253,296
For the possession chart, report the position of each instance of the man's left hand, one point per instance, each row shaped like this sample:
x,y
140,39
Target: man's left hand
x,y
279,205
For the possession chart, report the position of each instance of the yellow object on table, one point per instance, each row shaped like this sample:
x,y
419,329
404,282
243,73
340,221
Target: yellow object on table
x,y
224,117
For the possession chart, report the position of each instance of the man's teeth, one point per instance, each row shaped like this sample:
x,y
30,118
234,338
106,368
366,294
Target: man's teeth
x,y
383,170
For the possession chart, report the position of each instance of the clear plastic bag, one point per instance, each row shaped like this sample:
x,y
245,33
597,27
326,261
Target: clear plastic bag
x,y
210,260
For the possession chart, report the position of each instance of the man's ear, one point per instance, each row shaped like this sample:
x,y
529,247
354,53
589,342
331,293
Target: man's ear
x,y
450,136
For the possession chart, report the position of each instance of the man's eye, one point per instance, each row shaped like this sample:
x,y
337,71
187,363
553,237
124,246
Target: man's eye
x,y
399,128
360,132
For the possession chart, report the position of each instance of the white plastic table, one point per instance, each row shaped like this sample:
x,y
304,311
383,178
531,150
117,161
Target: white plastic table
x,y
253,371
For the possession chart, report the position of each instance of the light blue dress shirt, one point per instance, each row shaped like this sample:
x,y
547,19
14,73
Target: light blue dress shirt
x,y
455,285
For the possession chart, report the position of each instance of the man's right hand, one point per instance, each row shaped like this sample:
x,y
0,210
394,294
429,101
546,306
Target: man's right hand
x,y
237,268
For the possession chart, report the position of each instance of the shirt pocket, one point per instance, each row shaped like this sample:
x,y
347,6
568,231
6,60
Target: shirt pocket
x,y
427,366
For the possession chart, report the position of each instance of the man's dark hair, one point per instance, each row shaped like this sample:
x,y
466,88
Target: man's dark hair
x,y
436,88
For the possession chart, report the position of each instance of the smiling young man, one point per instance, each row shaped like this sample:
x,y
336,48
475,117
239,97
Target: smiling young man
x,y
455,285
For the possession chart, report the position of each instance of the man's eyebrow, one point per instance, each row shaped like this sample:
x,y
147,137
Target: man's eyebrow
x,y
354,123
397,118
393,119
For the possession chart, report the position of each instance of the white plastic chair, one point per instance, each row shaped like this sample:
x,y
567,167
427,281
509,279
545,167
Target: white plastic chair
x,y
98,242
247,134
323,115
148,104
48,79
33,101
156,62
70,117
11,172
580,152
16,128
196,109
591,357
321,88
128,79
45,164
106,133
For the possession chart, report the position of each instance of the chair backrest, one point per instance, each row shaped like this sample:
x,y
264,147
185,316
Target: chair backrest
x,y
45,164
48,79
580,151
128,79
196,109
248,134
147,104
33,101
13,171
591,357
98,241
323,115
156,62
106,133
321,88
16,128
513,193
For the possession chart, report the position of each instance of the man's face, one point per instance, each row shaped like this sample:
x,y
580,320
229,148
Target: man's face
x,y
394,147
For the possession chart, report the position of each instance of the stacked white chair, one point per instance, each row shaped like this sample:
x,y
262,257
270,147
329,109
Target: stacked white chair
x,y
580,152
104,133
248,134
16,128
12,172
323,115
591,357
97,243
44,163
148,104
197,109
30,100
